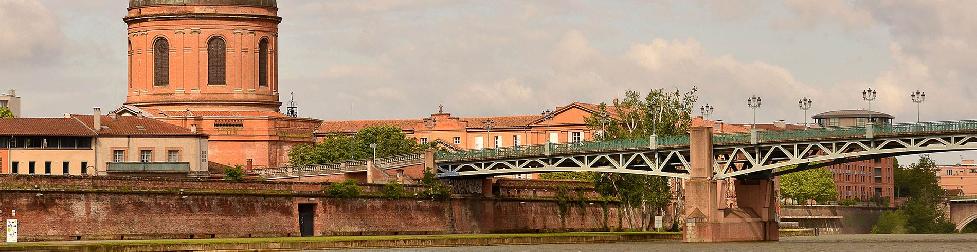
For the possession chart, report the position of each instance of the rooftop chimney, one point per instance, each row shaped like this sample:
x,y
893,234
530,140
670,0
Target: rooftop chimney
x,y
781,124
97,119
12,93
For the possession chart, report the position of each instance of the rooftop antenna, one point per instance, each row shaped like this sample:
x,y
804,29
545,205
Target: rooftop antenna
x,y
292,109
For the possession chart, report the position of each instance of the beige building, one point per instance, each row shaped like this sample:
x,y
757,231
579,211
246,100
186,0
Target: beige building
x,y
121,145
851,118
11,101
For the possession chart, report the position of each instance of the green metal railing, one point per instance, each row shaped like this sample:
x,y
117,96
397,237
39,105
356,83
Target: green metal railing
x,y
149,167
720,139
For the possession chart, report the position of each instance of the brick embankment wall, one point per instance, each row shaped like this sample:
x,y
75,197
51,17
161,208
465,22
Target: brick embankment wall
x,y
56,208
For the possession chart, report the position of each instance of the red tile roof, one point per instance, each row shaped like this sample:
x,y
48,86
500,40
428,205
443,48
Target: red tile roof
x,y
501,121
155,113
135,126
43,127
357,125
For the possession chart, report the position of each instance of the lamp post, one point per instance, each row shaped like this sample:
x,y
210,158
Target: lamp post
x,y
754,103
918,97
374,147
489,123
706,111
869,96
805,104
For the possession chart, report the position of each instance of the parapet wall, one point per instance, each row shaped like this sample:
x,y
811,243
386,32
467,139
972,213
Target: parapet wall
x,y
63,208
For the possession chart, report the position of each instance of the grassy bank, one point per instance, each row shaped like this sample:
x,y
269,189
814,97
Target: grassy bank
x,y
340,242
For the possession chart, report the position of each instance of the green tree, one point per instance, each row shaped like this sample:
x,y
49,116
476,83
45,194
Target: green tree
x,y
390,141
234,174
665,113
393,190
814,184
345,189
6,113
922,211
891,222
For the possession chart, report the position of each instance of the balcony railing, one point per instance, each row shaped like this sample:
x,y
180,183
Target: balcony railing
x,y
166,167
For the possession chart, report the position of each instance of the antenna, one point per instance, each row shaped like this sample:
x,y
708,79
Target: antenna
x,y
292,109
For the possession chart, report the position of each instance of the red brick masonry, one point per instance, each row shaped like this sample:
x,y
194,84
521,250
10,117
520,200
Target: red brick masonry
x,y
60,208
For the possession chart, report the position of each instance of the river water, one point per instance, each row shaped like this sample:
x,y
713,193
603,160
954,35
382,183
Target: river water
x,y
833,243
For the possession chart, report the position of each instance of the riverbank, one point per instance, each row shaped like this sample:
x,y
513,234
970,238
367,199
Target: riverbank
x,y
340,242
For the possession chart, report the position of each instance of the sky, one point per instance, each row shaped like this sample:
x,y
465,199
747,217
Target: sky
x,y
375,59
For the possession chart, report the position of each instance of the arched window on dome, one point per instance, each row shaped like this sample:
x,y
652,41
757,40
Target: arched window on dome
x,y
263,63
161,62
216,61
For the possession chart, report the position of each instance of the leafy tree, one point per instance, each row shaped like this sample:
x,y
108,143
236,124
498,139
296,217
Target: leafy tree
x,y
814,184
390,141
891,222
234,174
576,176
436,189
6,113
345,189
393,190
660,112
922,211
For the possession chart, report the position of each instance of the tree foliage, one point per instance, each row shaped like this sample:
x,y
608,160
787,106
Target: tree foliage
x,y
345,189
235,173
637,117
390,141
6,113
803,186
923,211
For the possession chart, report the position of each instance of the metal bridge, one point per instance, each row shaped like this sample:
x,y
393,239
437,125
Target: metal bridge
x,y
734,154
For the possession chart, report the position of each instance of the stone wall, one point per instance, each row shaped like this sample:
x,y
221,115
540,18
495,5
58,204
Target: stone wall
x,y
64,208
833,219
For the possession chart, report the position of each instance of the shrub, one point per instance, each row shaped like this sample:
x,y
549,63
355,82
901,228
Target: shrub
x,y
436,189
234,174
393,190
891,222
345,189
848,202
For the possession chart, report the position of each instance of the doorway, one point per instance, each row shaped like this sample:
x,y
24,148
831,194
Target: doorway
x,y
307,219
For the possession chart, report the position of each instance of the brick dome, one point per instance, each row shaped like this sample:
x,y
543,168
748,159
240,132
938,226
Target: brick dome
x,y
257,3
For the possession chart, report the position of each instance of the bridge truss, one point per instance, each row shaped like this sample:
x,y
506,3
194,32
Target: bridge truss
x,y
734,155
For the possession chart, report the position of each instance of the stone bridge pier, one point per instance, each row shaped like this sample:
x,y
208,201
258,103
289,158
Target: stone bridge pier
x,y
708,218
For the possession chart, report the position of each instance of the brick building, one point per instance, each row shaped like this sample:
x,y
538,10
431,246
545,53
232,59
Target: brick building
x,y
959,179
213,65
563,125
100,145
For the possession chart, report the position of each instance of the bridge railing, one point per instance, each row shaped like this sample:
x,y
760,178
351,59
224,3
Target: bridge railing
x,y
721,139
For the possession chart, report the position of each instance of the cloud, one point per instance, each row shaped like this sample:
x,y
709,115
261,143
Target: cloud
x,y
29,34
813,13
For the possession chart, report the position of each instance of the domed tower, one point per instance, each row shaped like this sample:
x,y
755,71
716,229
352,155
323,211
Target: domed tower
x,y
212,55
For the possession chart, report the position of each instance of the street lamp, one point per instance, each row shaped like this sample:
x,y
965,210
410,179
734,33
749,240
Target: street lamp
x,y
805,104
374,147
489,123
869,96
706,111
918,97
754,103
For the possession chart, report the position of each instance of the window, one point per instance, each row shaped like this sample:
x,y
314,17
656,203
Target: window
x,y
423,140
145,156
30,167
64,168
173,156
498,141
554,137
861,121
576,137
516,140
263,62
457,140
216,61
118,156
161,62
479,143
833,122
14,167
878,192
84,168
